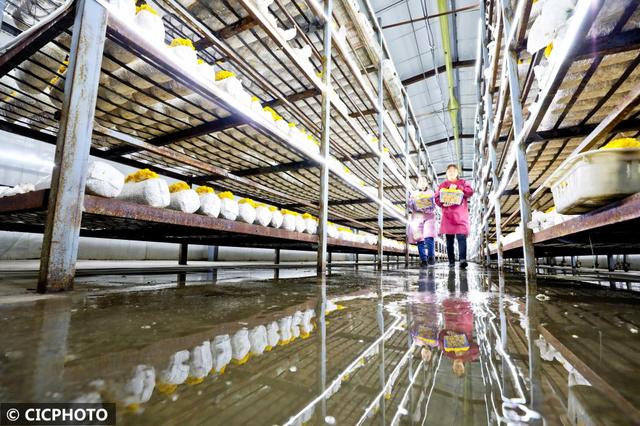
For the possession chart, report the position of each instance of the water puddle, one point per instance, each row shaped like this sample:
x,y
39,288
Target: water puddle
x,y
431,346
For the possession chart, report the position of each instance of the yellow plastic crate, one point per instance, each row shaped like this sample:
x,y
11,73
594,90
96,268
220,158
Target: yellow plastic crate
x,y
451,196
424,200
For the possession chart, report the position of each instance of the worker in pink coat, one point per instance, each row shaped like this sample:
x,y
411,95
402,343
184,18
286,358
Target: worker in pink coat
x,y
422,222
455,217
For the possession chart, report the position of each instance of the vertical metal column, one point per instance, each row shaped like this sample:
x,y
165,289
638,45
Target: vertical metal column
x,y
321,310
491,144
64,211
521,148
406,173
325,142
3,4
276,275
380,148
183,256
212,253
486,245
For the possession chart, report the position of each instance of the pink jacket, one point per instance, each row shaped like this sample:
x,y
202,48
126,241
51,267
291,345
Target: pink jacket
x,y
455,219
422,223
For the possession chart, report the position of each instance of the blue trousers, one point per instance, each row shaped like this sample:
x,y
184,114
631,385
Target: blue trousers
x,y
462,247
430,248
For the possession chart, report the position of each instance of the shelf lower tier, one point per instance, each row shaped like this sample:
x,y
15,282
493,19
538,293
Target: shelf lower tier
x,y
111,218
613,229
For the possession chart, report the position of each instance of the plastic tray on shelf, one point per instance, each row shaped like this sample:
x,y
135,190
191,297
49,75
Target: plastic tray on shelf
x,y
595,178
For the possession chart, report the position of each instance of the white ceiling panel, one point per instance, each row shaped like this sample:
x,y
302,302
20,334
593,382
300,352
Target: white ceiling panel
x,y
410,46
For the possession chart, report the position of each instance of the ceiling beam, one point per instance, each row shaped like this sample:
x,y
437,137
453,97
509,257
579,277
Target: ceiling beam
x,y
334,203
277,168
581,131
229,31
444,140
622,42
441,69
435,15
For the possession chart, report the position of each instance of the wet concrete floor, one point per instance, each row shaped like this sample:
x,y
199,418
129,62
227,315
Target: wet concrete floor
x,y
419,346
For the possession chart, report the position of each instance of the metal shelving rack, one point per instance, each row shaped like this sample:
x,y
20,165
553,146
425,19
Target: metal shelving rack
x,y
524,132
190,130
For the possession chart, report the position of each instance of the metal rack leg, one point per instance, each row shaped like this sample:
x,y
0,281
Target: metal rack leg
x,y
521,154
64,211
324,144
488,106
381,150
184,254
277,262
406,174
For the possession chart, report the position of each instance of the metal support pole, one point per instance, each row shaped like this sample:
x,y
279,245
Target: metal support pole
x,y
3,4
325,142
492,149
406,173
381,150
510,58
486,245
212,253
66,198
183,254
611,263
276,274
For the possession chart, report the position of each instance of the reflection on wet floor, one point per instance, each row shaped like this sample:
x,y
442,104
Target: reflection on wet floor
x,y
429,346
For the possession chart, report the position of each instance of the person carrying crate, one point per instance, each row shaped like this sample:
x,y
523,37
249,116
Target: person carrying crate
x,y
422,223
452,196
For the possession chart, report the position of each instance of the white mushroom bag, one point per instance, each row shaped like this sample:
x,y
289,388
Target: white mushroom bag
x,y
233,86
103,180
201,361
284,326
332,231
152,192
209,204
263,215
247,212
151,26
553,18
311,225
258,339
229,209
221,352
240,346
289,222
273,335
296,320
178,370
301,226
276,218
139,388
186,201
306,327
